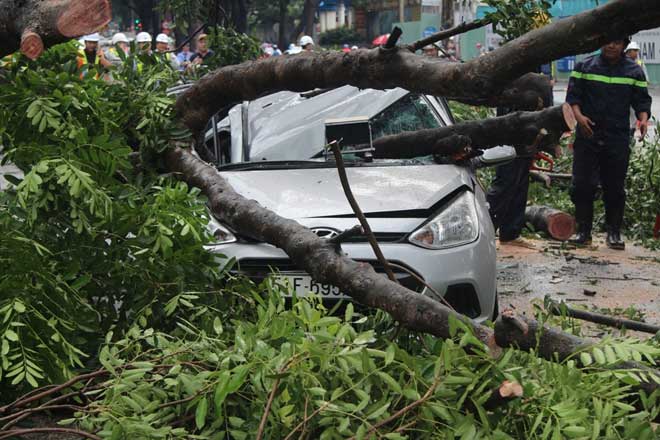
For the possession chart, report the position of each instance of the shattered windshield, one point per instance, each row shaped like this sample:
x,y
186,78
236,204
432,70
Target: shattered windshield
x,y
411,113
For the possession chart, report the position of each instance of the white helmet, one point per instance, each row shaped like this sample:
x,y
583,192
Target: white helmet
x,y
294,50
143,37
634,45
119,38
305,40
162,38
95,37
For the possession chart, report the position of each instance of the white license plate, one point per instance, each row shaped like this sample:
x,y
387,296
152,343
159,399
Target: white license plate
x,y
304,285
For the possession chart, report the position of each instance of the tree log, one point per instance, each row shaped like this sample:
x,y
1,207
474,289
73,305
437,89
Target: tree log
x,y
598,318
493,79
558,224
519,129
34,25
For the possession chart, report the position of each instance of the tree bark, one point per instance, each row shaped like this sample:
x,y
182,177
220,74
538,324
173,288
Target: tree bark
x,y
306,24
518,129
558,224
33,25
493,79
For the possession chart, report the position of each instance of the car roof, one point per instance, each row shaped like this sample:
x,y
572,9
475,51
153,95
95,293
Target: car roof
x,y
290,125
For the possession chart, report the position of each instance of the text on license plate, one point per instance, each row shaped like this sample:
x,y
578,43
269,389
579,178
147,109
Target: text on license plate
x,y
305,285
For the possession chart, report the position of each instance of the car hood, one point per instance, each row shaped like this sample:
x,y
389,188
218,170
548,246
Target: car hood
x,y
309,193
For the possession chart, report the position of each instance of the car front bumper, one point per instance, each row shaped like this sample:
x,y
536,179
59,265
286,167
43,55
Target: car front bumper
x,y
464,275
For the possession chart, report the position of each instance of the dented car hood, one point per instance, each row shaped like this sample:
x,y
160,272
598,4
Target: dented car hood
x,y
317,192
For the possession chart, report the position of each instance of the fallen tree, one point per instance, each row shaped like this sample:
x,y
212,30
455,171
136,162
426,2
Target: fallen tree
x,y
500,77
34,25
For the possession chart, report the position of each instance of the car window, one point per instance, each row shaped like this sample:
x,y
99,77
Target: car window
x,y
412,112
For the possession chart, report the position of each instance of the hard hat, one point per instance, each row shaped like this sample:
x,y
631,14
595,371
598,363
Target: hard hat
x,y
305,40
143,37
294,50
269,51
119,38
162,38
634,45
95,37
354,48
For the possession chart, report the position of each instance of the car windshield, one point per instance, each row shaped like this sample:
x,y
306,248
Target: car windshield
x,y
412,112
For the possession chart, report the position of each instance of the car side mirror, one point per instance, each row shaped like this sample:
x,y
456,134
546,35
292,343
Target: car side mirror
x,y
497,156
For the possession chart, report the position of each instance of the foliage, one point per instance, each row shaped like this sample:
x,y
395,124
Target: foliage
x,y
340,36
464,112
231,47
90,242
514,18
342,375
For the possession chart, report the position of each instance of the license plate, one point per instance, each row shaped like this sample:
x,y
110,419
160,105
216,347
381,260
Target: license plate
x,y
304,286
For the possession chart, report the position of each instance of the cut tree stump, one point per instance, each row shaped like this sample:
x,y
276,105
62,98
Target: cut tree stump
x,y
558,224
34,25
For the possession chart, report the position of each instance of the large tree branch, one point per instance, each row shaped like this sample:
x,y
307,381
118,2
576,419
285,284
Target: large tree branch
x,y
33,25
493,79
518,129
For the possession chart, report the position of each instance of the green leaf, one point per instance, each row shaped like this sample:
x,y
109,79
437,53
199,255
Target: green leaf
x,y
200,413
599,355
389,380
389,354
11,335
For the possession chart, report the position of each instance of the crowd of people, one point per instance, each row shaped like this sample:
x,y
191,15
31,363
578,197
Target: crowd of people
x,y
91,53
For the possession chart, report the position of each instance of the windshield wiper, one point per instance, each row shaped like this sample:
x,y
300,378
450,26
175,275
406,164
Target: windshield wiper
x,y
274,165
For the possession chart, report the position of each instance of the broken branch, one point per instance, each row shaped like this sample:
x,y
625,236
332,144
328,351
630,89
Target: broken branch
x,y
561,309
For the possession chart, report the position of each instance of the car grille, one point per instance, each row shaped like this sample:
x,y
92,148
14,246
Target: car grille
x,y
259,268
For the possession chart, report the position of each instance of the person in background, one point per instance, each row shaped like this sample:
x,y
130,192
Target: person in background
x,y
119,43
307,43
203,53
632,52
346,48
276,51
162,50
430,51
143,40
601,91
354,48
91,55
184,56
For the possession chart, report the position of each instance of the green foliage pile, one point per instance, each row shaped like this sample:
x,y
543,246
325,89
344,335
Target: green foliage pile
x,y
231,47
514,18
89,241
332,376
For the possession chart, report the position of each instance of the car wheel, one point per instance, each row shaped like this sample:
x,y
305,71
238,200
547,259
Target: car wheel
x,y
496,309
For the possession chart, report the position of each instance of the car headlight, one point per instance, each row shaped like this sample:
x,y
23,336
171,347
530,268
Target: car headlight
x,y
221,233
457,224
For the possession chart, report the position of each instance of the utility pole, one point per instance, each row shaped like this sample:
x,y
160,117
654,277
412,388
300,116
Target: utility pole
x,y
402,11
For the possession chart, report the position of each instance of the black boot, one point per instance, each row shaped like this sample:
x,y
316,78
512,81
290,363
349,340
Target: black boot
x,y
583,235
614,240
584,215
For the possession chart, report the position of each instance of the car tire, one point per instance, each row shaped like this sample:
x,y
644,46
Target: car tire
x,y
496,309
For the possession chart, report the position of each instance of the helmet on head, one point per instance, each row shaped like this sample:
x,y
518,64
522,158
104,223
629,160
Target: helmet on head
x,y
305,40
119,38
95,37
143,37
634,45
162,38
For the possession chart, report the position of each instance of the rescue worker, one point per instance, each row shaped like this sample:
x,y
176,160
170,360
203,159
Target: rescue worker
x,y
430,51
143,40
307,43
601,90
162,50
91,55
119,43
632,52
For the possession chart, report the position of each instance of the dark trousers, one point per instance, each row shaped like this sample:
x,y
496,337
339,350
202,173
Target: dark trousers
x,y
604,161
507,197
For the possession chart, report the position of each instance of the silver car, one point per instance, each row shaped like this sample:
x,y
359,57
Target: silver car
x,y
430,219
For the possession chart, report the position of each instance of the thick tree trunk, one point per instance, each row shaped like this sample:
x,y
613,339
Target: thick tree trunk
x,y
306,24
493,79
34,25
518,129
558,224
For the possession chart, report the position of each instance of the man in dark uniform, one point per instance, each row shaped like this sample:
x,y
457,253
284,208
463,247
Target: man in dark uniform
x,y
601,90
507,195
